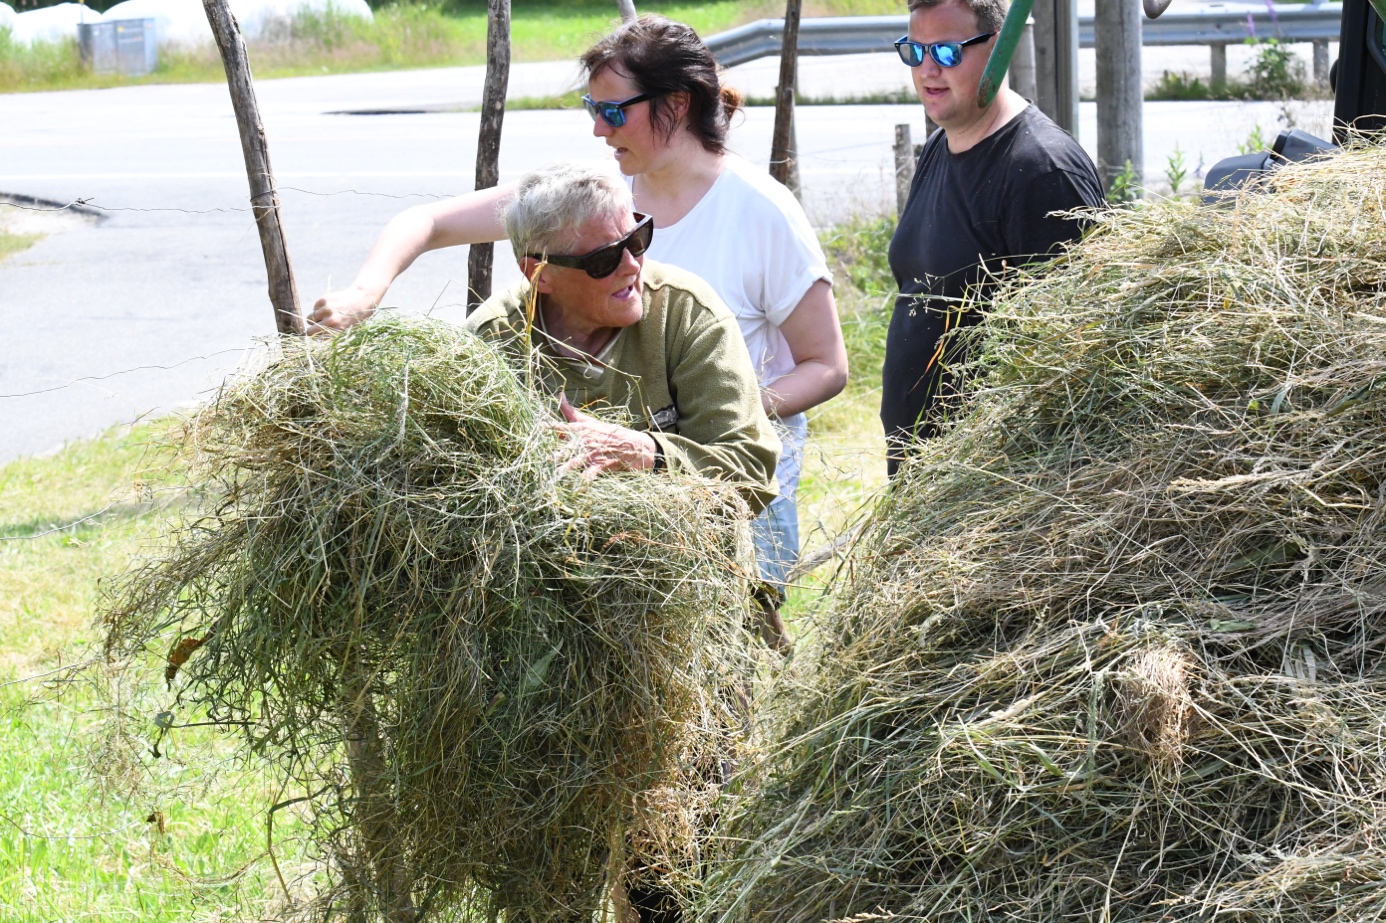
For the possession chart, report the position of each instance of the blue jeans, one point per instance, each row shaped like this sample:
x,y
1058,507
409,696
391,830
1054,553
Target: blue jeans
x,y
776,534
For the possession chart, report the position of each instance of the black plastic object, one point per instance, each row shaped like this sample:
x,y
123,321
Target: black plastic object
x,y
1294,145
1233,173
1360,87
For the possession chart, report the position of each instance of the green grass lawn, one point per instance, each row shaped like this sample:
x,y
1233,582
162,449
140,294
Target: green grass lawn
x,y
87,830
91,826
408,35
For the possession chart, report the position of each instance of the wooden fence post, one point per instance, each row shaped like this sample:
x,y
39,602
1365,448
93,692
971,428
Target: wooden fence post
x,y
627,8
391,885
264,200
783,156
904,166
1022,72
1056,62
1120,95
480,257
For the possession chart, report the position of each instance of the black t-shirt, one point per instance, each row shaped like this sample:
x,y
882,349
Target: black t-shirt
x,y
966,214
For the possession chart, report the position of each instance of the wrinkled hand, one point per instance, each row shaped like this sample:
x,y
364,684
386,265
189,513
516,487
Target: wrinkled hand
x,y
605,446
337,311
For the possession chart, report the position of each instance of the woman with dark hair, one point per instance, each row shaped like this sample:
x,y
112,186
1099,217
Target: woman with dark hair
x,y
655,98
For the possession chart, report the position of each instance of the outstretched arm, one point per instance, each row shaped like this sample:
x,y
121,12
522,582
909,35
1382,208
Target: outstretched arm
x,y
469,219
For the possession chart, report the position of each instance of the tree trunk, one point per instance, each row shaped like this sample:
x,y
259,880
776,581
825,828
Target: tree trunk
x,y
480,257
264,201
783,156
627,8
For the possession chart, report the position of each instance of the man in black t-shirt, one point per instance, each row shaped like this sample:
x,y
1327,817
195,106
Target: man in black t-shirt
x,y
985,190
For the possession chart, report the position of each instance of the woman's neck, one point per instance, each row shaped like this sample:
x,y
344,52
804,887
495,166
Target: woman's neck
x,y
683,174
568,335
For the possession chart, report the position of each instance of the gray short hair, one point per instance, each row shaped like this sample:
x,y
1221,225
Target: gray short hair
x,y
990,13
554,201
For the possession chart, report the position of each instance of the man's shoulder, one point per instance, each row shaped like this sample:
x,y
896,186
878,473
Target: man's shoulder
x,y
1038,144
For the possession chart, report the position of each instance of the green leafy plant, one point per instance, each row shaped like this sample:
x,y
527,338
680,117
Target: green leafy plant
x,y
1255,141
1275,73
1125,186
1176,170
1180,86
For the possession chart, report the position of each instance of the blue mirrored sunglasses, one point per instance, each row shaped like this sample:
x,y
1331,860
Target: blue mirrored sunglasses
x,y
613,114
945,54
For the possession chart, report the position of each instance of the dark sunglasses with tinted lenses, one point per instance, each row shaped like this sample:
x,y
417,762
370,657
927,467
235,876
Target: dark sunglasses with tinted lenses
x,y
614,114
945,54
603,261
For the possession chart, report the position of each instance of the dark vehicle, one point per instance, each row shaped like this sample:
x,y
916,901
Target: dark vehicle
x,y
1358,79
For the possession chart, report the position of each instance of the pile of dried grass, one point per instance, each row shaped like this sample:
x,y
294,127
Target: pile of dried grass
x,y
474,665
1112,648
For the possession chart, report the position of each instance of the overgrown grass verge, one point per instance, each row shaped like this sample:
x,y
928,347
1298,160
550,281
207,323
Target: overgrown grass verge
x,y
403,35
12,243
844,463
74,844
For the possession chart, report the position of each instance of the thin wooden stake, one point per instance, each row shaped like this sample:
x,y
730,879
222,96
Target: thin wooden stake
x,y
264,201
627,8
1120,94
481,256
783,157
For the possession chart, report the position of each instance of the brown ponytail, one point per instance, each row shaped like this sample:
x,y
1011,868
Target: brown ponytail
x,y
732,101
663,57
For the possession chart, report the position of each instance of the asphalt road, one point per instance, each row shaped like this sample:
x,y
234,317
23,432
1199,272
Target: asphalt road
x,y
146,306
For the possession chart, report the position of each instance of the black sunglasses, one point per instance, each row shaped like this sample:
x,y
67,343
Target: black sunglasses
x,y
614,114
603,261
945,54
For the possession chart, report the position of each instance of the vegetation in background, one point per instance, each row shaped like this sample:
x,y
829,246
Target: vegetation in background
x,y
11,243
403,35
73,843
1124,188
1276,73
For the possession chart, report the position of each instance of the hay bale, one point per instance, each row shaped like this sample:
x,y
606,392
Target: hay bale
x,y
1111,649
476,665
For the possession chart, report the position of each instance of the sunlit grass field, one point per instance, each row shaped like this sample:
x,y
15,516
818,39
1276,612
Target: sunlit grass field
x,y
406,35
91,826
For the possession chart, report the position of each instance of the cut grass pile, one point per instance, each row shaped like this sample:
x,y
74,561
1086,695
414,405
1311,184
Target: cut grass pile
x,y
71,849
1112,648
403,35
473,666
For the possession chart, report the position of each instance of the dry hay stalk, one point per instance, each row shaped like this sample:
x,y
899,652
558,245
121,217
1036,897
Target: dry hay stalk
x,y
1111,649
476,665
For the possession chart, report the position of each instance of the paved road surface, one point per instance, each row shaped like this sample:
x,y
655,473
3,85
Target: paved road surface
x,y
144,308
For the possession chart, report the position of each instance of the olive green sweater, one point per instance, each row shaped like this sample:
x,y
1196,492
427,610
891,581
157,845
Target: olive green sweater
x,y
680,373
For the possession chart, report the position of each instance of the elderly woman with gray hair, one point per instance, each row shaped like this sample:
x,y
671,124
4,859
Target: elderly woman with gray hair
x,y
617,331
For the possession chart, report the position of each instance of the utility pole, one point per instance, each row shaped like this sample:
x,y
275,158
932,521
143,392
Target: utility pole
x,y
627,8
264,200
783,148
1120,96
480,257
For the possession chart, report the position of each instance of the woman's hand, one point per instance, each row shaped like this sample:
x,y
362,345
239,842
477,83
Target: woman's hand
x,y
605,446
339,310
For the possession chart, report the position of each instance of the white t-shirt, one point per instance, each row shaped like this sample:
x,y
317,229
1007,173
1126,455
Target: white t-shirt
x,y
748,238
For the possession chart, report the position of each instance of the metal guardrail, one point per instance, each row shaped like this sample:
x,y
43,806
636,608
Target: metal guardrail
x,y
864,34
